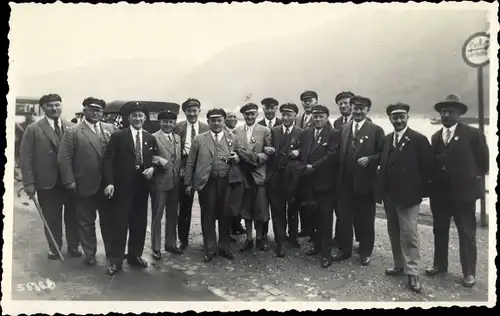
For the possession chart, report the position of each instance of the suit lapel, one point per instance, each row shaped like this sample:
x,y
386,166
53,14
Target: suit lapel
x,y
255,131
210,142
385,152
454,138
45,126
92,137
360,142
130,140
345,136
169,145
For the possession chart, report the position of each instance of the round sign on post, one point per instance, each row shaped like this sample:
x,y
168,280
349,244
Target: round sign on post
x,y
476,50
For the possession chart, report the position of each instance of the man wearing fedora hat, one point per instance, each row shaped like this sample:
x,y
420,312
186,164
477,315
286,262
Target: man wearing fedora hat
x,y
402,183
461,160
128,169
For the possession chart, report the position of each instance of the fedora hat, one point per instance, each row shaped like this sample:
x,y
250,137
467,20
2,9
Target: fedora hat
x,y
452,100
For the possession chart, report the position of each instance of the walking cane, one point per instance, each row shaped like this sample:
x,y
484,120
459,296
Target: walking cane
x,y
39,209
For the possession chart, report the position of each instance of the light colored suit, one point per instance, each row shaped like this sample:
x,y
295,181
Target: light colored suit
x,y
81,156
165,194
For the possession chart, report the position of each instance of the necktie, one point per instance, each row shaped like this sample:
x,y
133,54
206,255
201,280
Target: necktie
x,y
193,133
216,137
270,124
287,132
396,140
344,120
57,129
316,134
447,136
356,129
138,156
169,138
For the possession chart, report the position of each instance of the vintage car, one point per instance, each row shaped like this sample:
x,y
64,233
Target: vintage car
x,y
115,113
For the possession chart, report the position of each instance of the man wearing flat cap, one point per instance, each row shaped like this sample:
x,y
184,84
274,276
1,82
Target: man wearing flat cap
x,y
402,184
166,182
210,171
461,161
41,175
128,170
284,139
362,143
342,101
254,138
270,106
319,152
187,130
81,164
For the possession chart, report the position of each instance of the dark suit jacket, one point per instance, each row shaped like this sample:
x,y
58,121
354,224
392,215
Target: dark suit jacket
x,y
322,155
337,124
461,169
369,143
282,153
81,157
276,123
405,171
119,160
38,156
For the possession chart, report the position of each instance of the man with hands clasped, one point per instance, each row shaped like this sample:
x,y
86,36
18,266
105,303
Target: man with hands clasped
x,y
128,169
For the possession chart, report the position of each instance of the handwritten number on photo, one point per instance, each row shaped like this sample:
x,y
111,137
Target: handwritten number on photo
x,y
41,286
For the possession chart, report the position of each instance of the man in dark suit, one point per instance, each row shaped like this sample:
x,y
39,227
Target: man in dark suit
x,y
210,169
270,106
165,195
187,130
41,176
128,169
284,139
342,101
461,160
81,159
319,151
361,147
403,182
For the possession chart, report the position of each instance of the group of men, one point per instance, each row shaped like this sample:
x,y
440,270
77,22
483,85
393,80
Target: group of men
x,y
297,168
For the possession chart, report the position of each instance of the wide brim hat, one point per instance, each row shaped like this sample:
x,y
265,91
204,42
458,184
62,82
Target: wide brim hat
x,y
452,100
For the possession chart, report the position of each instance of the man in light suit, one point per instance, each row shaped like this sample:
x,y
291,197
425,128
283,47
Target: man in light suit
x,y
81,157
362,143
461,160
253,138
187,130
402,183
41,174
210,171
166,185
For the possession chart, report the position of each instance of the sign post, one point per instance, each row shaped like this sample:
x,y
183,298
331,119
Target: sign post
x,y
475,52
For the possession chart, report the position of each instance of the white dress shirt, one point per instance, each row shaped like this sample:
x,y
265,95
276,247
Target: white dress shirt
x,y
134,136
400,135
270,123
93,127
249,131
452,132
346,119
51,122
289,128
187,142
168,136
217,137
307,118
317,132
360,125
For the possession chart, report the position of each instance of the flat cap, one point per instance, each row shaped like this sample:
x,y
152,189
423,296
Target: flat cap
x,y
359,100
49,98
216,113
137,107
289,107
308,94
397,108
167,115
190,102
249,107
269,102
319,109
94,102
343,95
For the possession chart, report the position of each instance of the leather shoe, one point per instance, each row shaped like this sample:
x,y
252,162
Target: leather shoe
x,y
394,271
435,271
75,252
326,261
365,261
312,252
265,238
414,283
355,248
261,245
174,250
469,281
280,251
156,255
226,254
137,262
113,269
184,245
52,256
340,256
208,258
90,261
294,243
247,246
